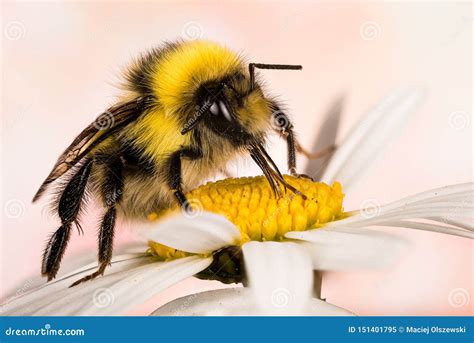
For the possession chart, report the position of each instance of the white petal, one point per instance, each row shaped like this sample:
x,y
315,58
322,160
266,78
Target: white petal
x,y
119,292
350,248
457,222
280,276
430,227
448,206
457,194
200,234
368,139
34,300
74,264
235,302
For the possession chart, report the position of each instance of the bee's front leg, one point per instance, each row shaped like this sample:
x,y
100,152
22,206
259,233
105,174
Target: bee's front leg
x,y
291,142
284,127
175,173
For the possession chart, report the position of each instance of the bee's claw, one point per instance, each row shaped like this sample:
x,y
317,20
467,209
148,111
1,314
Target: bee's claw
x,y
303,176
98,272
300,176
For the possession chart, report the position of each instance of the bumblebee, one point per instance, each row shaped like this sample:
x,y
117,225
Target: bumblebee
x,y
187,109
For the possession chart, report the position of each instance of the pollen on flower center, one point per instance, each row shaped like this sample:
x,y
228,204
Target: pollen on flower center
x,y
249,203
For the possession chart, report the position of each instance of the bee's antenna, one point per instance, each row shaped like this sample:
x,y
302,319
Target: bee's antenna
x,y
252,67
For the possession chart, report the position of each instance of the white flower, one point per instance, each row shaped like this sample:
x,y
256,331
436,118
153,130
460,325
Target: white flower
x,y
279,274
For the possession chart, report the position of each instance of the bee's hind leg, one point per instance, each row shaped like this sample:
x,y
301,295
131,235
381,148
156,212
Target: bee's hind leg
x,y
69,205
112,189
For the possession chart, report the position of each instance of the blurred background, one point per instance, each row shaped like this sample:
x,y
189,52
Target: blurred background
x,y
61,63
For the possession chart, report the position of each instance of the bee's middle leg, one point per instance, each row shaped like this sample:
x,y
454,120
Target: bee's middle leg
x,y
175,180
112,189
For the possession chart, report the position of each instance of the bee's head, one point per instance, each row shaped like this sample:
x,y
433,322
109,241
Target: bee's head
x,y
231,108
234,107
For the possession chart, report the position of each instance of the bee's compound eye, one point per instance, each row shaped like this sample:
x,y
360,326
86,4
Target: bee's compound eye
x,y
214,109
225,111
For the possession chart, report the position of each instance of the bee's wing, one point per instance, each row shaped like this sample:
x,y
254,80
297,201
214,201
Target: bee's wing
x,y
108,123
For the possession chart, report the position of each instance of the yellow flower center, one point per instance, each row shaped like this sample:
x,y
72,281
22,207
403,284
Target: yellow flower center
x,y
249,203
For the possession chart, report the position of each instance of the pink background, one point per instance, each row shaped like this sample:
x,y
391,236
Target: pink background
x,y
60,63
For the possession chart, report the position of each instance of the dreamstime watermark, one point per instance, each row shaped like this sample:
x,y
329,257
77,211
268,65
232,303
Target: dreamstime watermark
x,y
193,208
463,25
370,30
12,121
47,330
185,305
24,288
280,297
192,30
104,121
370,208
457,211
199,110
27,285
459,297
459,120
14,208
103,297
14,30
280,121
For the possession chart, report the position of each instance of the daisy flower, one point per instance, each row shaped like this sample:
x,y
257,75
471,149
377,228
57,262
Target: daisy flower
x,y
240,233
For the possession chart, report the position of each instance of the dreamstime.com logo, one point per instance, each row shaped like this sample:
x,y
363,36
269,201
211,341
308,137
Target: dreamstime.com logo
x,y
459,297
14,209
370,208
192,30
459,120
14,30
280,122
103,297
194,208
44,331
104,121
280,298
185,305
370,30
